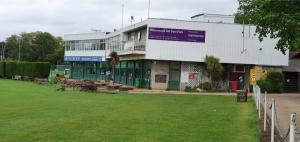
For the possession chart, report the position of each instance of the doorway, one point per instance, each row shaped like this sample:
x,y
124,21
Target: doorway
x,y
174,76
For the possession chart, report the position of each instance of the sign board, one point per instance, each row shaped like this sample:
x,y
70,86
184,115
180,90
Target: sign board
x,y
160,78
192,76
83,58
176,35
253,77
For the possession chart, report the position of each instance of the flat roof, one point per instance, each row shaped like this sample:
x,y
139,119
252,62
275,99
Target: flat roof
x,y
212,15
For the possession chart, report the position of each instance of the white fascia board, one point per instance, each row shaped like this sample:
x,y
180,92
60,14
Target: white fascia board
x,y
84,36
86,53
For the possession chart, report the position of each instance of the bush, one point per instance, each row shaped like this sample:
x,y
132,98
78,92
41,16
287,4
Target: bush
x,y
272,84
214,69
2,69
206,86
30,69
276,77
189,89
265,86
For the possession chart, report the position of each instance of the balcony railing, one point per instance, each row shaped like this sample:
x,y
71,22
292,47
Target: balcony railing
x,y
135,46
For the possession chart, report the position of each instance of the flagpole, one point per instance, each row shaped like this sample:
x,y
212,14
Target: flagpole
x,y
122,13
149,2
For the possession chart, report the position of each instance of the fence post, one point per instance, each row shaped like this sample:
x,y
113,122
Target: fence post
x,y
273,120
292,127
254,94
265,112
259,99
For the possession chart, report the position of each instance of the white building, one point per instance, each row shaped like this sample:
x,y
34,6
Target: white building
x,y
169,54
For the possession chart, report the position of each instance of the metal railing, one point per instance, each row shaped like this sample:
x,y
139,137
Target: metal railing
x,y
135,46
261,102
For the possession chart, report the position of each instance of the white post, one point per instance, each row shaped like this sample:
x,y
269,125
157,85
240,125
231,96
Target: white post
x,y
265,112
292,127
254,93
149,4
273,120
259,97
123,14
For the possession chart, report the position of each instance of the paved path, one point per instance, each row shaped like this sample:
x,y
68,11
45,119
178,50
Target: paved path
x,y
147,91
285,105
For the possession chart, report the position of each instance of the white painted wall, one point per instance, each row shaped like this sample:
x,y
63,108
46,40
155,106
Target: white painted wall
x,y
84,36
224,41
213,18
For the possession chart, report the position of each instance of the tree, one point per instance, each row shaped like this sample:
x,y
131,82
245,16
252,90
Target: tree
x,y
36,46
57,57
215,70
273,18
12,47
114,59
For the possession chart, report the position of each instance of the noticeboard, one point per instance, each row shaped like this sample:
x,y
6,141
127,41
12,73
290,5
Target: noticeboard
x,y
159,78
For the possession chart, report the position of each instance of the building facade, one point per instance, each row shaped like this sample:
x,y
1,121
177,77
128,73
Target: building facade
x,y
169,54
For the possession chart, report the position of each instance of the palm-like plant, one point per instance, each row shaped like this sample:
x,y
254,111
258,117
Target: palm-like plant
x,y
113,60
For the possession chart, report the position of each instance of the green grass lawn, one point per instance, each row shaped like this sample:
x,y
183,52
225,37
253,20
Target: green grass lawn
x,y
31,112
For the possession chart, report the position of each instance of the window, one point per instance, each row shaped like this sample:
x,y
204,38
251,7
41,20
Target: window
x,y
114,43
102,45
95,44
239,68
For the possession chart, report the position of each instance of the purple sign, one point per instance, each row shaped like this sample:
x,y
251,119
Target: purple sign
x,y
176,35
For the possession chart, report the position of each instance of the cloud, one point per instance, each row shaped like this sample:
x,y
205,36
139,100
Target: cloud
x,y
77,16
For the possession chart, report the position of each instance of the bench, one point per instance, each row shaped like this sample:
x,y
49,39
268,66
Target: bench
x,y
242,95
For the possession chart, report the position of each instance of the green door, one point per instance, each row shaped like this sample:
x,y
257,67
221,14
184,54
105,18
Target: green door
x,y
123,72
174,76
77,70
130,73
146,74
138,74
90,71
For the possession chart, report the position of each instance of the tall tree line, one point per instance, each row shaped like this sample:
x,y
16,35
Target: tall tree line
x,y
35,47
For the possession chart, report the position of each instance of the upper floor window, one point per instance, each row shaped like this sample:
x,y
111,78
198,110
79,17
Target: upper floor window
x,y
95,44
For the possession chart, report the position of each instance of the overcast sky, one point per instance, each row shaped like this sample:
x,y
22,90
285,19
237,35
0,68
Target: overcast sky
x,y
61,17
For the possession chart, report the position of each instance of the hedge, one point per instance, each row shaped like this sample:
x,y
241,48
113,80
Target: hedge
x,y
10,69
2,69
30,69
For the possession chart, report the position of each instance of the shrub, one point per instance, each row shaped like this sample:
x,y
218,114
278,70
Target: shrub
x,y
214,69
275,77
188,89
206,86
265,86
272,84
